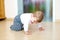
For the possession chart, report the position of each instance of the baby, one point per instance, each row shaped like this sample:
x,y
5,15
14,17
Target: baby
x,y
31,18
24,20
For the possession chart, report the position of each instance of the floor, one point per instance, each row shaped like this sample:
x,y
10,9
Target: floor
x,y
51,32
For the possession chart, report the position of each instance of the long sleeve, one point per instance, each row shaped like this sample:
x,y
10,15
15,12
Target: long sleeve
x,y
25,19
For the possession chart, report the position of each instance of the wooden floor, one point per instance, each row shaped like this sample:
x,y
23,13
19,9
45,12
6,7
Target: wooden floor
x,y
51,32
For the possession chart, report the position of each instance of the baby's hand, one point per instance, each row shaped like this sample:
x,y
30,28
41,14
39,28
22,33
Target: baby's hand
x,y
28,32
41,29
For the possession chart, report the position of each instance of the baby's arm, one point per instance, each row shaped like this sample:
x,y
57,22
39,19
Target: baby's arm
x,y
25,19
26,29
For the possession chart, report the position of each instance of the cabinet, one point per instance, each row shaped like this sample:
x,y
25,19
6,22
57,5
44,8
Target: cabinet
x,y
2,10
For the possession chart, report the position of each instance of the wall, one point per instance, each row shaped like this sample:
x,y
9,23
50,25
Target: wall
x,y
11,8
57,9
48,13
20,6
54,19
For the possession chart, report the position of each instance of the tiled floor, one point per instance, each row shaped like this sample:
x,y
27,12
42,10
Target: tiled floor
x,y
51,32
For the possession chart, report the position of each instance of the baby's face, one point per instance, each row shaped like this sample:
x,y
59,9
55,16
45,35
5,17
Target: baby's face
x,y
35,20
38,13
37,16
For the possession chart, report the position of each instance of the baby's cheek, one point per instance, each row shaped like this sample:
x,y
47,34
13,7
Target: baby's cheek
x,y
33,19
33,22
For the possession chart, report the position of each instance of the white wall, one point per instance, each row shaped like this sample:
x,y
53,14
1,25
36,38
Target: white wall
x,y
54,19
57,9
11,9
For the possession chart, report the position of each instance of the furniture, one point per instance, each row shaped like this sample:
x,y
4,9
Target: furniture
x,y
2,10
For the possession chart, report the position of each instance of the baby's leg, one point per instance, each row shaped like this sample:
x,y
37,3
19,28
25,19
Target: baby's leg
x,y
17,24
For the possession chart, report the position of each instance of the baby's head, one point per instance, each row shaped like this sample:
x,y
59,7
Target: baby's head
x,y
38,15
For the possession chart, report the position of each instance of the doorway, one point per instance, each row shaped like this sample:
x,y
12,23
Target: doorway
x,y
30,6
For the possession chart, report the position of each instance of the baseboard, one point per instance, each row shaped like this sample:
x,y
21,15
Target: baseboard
x,y
57,20
9,19
3,18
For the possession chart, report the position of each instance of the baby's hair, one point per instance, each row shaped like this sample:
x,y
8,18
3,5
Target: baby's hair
x,y
39,15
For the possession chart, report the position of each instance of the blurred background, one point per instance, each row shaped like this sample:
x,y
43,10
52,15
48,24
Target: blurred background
x,y
30,6
10,8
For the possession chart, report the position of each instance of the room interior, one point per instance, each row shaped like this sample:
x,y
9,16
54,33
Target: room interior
x,y
10,8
